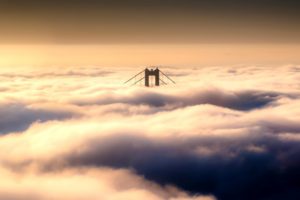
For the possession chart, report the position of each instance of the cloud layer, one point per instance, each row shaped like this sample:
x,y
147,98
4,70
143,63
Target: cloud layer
x,y
219,133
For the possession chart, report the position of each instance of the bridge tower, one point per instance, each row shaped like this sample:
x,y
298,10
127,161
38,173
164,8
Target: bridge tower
x,y
147,75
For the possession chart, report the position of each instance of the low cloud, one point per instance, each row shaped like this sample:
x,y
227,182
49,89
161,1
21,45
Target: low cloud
x,y
220,133
238,100
18,117
86,183
62,73
228,168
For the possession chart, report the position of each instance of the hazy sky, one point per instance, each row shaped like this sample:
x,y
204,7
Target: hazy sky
x,y
149,32
141,55
149,21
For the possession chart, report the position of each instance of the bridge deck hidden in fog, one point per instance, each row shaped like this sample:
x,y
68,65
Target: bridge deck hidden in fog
x,y
151,77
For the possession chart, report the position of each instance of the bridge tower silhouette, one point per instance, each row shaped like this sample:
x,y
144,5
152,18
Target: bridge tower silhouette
x,y
148,75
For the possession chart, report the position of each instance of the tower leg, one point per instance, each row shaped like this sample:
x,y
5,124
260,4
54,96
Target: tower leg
x,y
156,72
147,77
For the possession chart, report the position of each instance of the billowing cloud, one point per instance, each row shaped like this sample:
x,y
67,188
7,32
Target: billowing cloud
x,y
235,137
91,183
240,100
200,165
18,117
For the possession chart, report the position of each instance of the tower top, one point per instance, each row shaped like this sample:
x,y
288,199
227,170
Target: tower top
x,y
148,74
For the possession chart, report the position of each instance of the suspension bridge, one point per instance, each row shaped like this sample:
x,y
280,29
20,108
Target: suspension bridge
x,y
150,78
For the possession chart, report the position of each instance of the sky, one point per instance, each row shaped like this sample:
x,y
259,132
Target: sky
x,y
141,55
148,32
149,21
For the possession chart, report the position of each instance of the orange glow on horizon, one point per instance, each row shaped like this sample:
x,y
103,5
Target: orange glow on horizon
x,y
140,55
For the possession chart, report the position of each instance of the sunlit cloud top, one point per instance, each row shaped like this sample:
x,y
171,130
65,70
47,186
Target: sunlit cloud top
x,y
82,133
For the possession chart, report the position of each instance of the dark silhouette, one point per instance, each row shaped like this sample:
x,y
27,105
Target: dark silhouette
x,y
149,73
147,76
